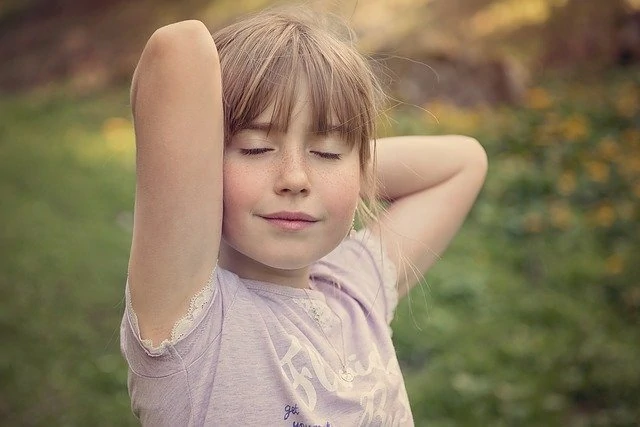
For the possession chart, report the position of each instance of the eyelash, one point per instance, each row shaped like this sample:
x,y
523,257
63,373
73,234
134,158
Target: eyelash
x,y
251,151
329,156
255,151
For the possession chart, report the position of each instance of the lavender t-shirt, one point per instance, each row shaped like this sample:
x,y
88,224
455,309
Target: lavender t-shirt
x,y
257,353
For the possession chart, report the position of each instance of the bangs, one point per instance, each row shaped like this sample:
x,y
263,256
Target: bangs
x,y
263,63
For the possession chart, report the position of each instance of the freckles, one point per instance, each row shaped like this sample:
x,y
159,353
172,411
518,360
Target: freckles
x,y
341,191
238,176
243,185
233,185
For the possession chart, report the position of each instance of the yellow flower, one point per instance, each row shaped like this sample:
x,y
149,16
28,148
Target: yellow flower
x,y
114,125
627,102
119,135
538,99
567,183
614,264
608,148
597,171
605,215
448,115
533,222
561,215
631,137
630,166
575,127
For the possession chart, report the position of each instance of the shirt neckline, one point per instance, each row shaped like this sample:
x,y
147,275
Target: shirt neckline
x,y
311,293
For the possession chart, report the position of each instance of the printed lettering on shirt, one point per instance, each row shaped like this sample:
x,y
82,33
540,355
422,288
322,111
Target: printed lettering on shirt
x,y
299,378
289,410
301,364
301,424
375,410
321,369
293,410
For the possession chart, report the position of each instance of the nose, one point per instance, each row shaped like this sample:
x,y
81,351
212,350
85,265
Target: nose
x,y
293,176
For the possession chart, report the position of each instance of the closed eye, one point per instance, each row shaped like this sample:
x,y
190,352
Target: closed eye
x,y
252,151
325,155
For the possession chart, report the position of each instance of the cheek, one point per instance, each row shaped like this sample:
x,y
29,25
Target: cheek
x,y
341,193
239,189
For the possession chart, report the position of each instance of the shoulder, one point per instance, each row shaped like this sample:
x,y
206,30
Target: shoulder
x,y
366,249
361,268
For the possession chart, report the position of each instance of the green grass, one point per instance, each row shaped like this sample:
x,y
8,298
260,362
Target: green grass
x,y
531,316
530,319
64,253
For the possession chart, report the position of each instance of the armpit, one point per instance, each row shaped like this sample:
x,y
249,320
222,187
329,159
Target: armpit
x,y
182,326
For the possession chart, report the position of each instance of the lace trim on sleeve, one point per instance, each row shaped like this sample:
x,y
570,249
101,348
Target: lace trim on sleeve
x,y
387,269
197,305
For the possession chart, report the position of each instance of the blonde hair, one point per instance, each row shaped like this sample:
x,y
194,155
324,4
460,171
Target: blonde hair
x,y
263,56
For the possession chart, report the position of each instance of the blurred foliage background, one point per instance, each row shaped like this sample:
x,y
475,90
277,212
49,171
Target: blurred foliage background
x,y
532,318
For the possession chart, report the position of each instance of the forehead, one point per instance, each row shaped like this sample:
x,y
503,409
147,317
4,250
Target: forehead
x,y
299,87
301,111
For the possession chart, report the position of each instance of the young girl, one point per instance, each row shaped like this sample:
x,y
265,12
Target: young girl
x,y
249,299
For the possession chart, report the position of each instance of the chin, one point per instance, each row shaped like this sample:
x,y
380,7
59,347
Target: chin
x,y
287,254
291,260
287,265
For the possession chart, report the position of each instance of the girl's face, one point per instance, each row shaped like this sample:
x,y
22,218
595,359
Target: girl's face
x,y
289,195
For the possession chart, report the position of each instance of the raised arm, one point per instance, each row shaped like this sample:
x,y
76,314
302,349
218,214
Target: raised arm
x,y
177,112
432,182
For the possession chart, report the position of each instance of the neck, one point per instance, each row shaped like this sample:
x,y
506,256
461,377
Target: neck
x,y
248,268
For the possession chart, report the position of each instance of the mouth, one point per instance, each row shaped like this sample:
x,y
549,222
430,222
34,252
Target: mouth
x,y
291,216
292,221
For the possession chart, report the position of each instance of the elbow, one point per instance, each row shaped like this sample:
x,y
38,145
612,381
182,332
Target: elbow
x,y
176,52
476,161
481,158
475,155
185,40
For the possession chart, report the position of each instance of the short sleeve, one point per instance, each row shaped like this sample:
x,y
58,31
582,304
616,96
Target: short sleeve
x,y
190,336
361,267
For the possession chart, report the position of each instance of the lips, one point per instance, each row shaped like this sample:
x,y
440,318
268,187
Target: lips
x,y
290,221
291,216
